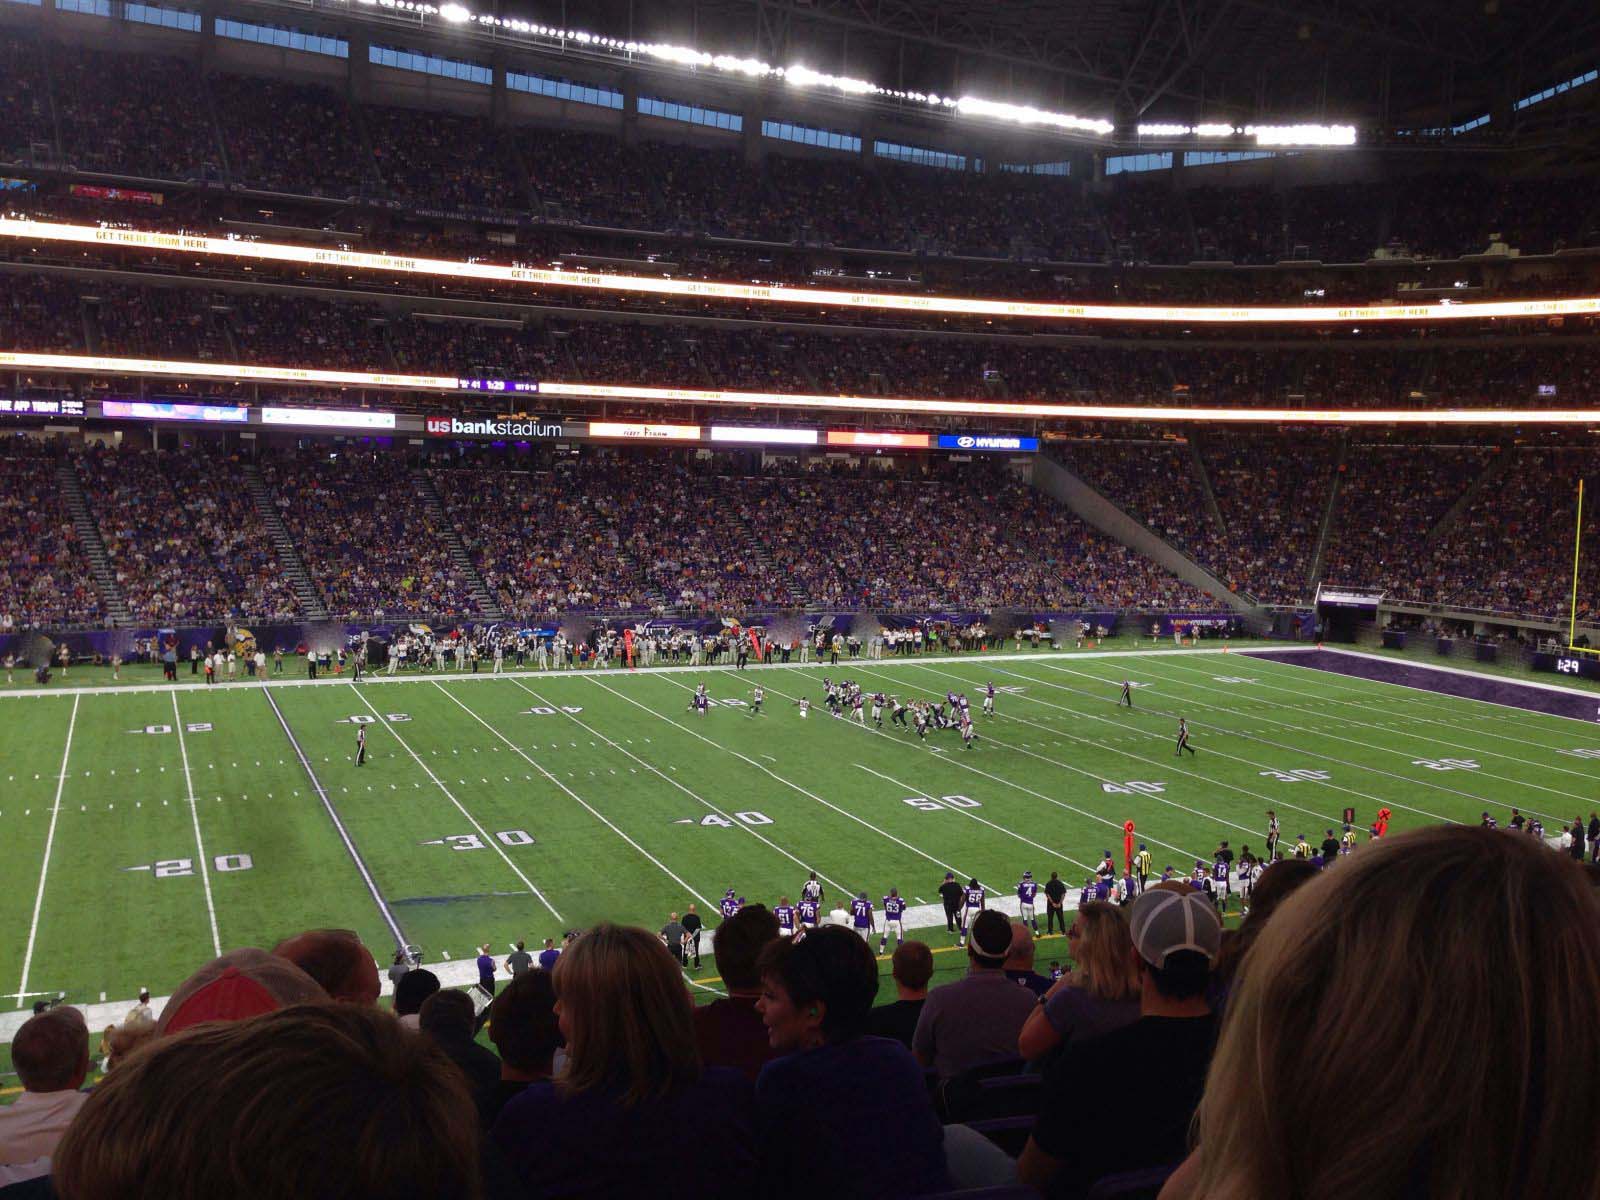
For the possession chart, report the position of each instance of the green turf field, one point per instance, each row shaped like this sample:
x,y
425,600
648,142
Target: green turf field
x,y
143,829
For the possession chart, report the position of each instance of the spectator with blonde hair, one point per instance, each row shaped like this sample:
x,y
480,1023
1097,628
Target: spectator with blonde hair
x,y
623,1117
1099,994
1429,1010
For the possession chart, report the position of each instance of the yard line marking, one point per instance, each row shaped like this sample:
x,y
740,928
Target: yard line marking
x,y
44,867
1419,697
1271,801
1419,782
492,842
966,766
199,842
787,782
801,863
983,821
400,939
594,812
1409,725
1147,735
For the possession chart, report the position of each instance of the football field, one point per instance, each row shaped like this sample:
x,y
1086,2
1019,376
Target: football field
x,y
144,829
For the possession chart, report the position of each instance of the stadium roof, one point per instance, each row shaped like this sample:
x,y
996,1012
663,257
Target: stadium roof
x,y
1370,61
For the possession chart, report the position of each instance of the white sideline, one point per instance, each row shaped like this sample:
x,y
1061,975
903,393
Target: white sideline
x,y
463,972
375,678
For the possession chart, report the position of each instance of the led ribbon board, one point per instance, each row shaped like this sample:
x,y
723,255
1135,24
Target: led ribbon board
x,y
356,260
869,404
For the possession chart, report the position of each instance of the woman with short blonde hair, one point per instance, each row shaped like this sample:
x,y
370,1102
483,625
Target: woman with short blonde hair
x,y
1099,994
1418,1021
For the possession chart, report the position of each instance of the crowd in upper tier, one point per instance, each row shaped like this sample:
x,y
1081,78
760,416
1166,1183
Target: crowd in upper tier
x,y
156,116
129,318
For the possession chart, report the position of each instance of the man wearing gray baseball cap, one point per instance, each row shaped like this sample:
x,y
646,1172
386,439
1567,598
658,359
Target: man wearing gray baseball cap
x,y
1162,1058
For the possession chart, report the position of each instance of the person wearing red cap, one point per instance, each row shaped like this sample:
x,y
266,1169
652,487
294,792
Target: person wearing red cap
x,y
242,983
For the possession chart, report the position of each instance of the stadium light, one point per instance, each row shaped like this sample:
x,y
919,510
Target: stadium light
x,y
26,228
796,74
1264,135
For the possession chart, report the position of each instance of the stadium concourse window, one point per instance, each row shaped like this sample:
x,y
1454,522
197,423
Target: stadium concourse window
x,y
810,135
691,114
1576,81
430,64
89,8
35,3
1045,168
1121,164
166,18
279,35
1211,158
920,156
564,89
1469,126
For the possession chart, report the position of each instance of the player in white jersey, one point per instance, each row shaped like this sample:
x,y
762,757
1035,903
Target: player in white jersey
x,y
894,911
756,697
804,705
857,712
877,709
499,658
967,732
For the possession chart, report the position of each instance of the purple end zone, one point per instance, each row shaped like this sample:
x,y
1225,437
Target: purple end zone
x,y
1470,687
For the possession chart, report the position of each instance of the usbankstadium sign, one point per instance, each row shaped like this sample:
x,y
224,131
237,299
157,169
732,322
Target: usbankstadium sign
x,y
494,427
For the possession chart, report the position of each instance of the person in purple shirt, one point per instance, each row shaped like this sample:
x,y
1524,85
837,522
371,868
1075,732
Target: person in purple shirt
x,y
809,910
820,1110
549,955
635,1094
786,917
861,917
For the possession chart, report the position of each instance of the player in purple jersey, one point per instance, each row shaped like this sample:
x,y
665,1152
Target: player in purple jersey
x,y
808,912
1027,893
988,699
972,906
1086,896
729,905
786,917
861,917
894,911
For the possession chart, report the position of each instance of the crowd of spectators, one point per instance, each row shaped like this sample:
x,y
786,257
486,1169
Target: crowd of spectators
x,y
367,535
132,114
185,543
44,573
1272,494
40,312
1390,499
153,116
308,144
621,531
25,118
45,312
1508,549
284,1073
